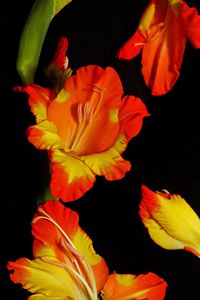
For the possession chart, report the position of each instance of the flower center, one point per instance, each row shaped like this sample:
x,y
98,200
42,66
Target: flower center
x,y
85,116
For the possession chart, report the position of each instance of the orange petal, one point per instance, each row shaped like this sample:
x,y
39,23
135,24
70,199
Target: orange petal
x,y
48,236
132,47
190,20
131,114
161,56
39,98
71,177
91,76
127,287
161,34
110,163
136,42
170,221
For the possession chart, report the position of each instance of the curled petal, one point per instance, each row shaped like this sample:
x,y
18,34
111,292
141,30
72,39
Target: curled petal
x,y
127,287
131,114
170,221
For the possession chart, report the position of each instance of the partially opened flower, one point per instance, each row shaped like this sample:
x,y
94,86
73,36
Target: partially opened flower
x,y
58,70
161,35
65,265
170,221
85,127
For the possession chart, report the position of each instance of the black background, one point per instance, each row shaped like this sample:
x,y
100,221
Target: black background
x,y
165,154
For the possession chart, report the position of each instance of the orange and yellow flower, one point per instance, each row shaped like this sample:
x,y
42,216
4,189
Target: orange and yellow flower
x,y
170,221
161,35
85,127
65,265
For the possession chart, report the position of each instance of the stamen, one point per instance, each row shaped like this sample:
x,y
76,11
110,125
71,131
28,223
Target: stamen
x,y
76,258
73,274
66,62
85,114
80,113
139,44
165,191
80,260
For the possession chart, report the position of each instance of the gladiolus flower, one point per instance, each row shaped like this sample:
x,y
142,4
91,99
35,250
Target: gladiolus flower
x,y
163,31
85,127
65,265
170,221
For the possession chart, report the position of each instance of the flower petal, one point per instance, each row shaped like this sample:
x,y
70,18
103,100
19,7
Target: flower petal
x,y
170,221
39,98
48,237
109,164
131,114
161,34
132,47
71,177
136,42
42,278
161,56
128,287
44,136
190,20
87,77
